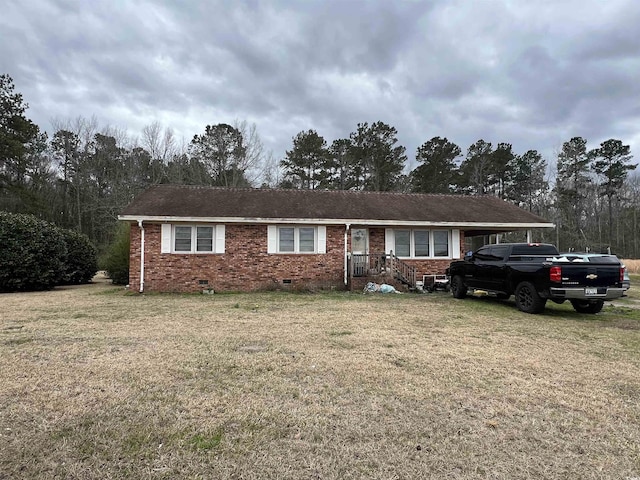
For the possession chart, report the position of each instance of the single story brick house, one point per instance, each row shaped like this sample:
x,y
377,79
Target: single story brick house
x,y
194,238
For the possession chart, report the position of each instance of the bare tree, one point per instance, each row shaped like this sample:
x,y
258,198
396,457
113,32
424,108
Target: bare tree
x,y
255,158
161,144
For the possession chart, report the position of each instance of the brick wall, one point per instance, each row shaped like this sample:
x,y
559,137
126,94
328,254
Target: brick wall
x,y
245,265
377,240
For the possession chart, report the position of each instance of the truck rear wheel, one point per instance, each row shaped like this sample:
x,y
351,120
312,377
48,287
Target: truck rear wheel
x,y
458,288
586,306
527,298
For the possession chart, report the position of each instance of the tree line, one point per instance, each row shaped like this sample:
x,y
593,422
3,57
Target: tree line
x,y
83,176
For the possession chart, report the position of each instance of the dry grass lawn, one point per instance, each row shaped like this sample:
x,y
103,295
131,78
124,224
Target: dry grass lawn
x,y
99,384
633,266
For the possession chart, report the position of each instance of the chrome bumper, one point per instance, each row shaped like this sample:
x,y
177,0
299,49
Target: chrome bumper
x,y
609,293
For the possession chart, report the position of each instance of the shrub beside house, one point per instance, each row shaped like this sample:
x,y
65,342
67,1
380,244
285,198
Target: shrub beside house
x,y
37,255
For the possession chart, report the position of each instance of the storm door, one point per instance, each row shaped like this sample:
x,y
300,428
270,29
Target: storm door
x,y
360,251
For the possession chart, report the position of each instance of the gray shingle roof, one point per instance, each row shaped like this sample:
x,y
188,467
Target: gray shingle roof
x,y
215,202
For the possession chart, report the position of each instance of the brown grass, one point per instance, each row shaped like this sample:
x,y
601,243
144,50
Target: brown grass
x,y
100,384
633,266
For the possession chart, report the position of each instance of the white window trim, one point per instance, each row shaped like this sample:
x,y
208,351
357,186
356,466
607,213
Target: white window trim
x,y
319,239
453,243
168,238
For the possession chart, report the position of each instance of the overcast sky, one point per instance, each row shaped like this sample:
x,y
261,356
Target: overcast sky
x,y
533,73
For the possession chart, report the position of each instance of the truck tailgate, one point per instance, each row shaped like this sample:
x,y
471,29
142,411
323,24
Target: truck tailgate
x,y
590,275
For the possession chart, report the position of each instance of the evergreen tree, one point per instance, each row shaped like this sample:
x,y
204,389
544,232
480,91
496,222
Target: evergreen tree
x,y
377,156
526,185
611,163
344,172
475,170
21,151
438,171
499,169
221,149
305,165
65,147
573,184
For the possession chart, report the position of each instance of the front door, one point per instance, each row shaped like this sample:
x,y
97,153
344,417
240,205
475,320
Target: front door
x,y
360,241
359,251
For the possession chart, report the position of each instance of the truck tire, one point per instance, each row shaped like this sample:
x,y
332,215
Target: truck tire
x,y
527,298
586,306
458,288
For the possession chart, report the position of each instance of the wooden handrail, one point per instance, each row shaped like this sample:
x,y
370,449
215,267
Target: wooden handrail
x,y
364,264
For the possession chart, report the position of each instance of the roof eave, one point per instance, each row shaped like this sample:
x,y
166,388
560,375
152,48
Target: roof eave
x,y
335,221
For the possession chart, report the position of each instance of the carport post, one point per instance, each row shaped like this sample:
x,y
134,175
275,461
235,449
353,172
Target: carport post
x,y
346,254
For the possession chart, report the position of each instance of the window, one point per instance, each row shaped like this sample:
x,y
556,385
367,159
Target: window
x,y
403,243
498,253
204,239
421,239
307,239
407,243
296,239
193,238
286,239
483,254
182,239
292,239
440,243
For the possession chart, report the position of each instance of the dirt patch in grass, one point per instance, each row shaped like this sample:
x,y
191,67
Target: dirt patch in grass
x,y
102,384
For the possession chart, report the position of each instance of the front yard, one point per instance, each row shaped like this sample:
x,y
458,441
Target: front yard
x,y
101,384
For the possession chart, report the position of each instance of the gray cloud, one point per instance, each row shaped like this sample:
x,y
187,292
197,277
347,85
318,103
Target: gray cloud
x,y
533,74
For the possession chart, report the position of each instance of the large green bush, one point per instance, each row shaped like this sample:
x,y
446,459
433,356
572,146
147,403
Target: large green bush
x,y
32,253
81,262
116,260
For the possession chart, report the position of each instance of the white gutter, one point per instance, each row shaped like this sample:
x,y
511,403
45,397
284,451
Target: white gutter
x,y
346,261
336,221
141,256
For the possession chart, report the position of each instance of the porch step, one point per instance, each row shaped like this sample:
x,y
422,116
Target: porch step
x,y
373,265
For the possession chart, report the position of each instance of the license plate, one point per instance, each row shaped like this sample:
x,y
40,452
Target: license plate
x,y
590,291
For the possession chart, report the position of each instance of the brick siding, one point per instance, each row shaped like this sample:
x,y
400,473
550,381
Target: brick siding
x,y
246,265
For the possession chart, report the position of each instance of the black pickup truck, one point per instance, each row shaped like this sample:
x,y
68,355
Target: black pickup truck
x,y
535,273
